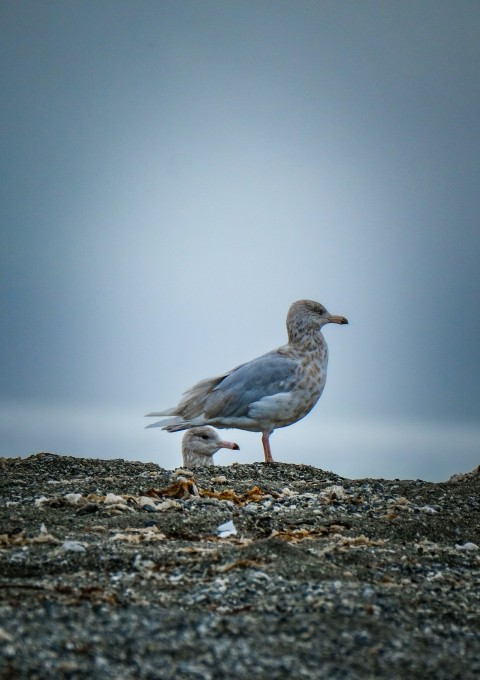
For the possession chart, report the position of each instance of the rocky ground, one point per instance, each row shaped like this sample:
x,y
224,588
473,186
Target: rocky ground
x,y
119,568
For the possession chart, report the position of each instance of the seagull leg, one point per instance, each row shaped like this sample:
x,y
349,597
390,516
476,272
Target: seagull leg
x,y
266,447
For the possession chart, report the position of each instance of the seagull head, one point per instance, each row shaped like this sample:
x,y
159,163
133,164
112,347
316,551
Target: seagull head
x,y
204,441
306,317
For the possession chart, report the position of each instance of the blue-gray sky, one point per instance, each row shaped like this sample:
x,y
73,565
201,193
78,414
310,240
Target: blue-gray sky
x,y
175,174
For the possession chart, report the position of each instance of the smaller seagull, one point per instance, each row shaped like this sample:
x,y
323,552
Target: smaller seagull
x,y
200,443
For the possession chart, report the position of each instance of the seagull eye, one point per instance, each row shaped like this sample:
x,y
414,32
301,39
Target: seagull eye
x,y
204,436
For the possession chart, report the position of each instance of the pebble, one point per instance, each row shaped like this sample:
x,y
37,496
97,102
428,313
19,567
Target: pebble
x,y
227,529
40,501
113,499
73,498
72,546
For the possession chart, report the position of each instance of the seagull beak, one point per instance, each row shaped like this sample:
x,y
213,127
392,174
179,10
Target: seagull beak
x,y
337,319
228,445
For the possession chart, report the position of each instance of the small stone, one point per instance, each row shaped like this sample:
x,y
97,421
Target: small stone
x,y
334,492
182,472
6,637
226,529
167,505
41,501
112,499
9,651
73,546
73,498
467,546
428,510
88,509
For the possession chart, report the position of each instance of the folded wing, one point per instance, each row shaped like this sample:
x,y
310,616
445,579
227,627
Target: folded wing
x,y
231,395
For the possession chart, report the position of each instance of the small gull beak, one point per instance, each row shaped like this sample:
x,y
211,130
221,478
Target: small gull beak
x,y
228,445
337,319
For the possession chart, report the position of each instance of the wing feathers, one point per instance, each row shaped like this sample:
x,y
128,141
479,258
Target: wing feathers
x,y
232,395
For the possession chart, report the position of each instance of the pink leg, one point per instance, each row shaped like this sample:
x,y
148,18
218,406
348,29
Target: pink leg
x,y
266,447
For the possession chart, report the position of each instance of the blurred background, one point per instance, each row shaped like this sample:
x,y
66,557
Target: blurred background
x,y
175,174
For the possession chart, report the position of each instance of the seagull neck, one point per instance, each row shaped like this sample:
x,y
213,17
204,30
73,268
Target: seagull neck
x,y
307,341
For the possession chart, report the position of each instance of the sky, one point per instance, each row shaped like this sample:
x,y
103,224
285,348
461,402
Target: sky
x,y
176,174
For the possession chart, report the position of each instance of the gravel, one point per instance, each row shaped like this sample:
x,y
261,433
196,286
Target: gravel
x,y
120,569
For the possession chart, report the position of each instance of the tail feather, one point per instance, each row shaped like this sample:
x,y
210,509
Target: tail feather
x,y
176,424
177,428
190,411
176,420
157,414
192,404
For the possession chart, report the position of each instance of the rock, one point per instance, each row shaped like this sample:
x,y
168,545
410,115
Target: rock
x,y
227,529
73,546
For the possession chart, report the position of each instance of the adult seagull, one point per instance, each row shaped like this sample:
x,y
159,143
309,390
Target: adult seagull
x,y
274,390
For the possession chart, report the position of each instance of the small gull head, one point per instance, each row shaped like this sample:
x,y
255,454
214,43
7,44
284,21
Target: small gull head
x,y
200,443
